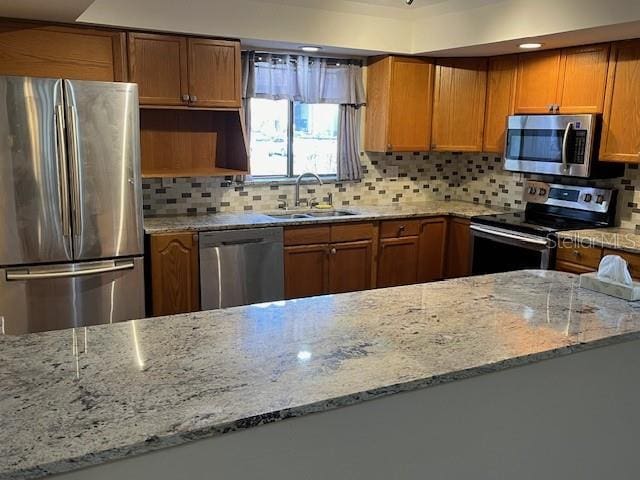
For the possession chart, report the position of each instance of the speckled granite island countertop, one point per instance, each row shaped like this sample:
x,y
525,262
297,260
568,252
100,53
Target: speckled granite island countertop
x,y
615,238
81,397
228,221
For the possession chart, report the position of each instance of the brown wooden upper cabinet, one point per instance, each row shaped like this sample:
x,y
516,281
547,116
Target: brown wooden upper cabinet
x,y
621,120
38,50
501,82
399,100
571,80
458,104
180,71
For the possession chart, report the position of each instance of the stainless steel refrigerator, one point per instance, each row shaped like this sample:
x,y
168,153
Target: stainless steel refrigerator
x,y
71,229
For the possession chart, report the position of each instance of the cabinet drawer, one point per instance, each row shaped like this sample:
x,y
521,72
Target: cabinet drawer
x,y
563,266
351,232
632,259
581,255
307,235
399,228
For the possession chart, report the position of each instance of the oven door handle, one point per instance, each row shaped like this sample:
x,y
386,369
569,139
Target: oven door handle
x,y
510,236
565,143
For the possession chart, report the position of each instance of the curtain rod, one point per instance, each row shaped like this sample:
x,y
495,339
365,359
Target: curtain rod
x,y
338,59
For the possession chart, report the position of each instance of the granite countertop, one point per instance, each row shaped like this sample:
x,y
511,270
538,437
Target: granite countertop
x,y
227,221
80,397
624,239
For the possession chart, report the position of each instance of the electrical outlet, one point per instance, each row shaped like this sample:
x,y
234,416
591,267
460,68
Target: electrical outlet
x,y
392,171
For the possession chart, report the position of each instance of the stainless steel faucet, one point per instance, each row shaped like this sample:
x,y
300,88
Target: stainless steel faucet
x,y
299,179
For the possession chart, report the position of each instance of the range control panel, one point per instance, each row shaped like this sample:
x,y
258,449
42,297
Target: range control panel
x,y
572,196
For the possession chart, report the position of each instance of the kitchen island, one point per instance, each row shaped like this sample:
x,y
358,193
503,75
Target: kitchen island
x,y
84,397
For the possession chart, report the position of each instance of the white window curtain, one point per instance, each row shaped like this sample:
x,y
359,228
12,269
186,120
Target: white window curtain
x,y
304,79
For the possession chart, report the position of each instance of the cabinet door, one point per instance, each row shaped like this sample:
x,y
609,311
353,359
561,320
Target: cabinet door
x,y
501,80
537,82
432,249
582,80
458,248
621,119
458,105
175,282
306,271
77,53
350,266
410,105
214,73
397,261
158,64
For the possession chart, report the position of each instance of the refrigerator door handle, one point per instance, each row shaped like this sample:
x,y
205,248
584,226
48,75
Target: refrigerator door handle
x,y
25,274
75,172
63,172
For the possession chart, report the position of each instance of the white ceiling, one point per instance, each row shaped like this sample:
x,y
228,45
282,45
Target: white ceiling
x,y
360,27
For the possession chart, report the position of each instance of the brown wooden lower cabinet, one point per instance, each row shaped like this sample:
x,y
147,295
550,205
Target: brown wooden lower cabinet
x,y
306,270
458,261
577,258
328,259
570,267
350,266
397,261
175,273
432,249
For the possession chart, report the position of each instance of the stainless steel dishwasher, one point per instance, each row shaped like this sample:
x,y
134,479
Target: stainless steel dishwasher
x,y
240,267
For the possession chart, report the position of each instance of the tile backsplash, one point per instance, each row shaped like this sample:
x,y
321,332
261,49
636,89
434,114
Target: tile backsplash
x,y
388,179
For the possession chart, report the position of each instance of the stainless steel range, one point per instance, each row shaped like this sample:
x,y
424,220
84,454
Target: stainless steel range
x,y
519,240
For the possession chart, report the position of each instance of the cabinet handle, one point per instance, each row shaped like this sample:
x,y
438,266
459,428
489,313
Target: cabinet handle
x,y
557,108
194,99
401,229
333,251
185,97
195,238
576,253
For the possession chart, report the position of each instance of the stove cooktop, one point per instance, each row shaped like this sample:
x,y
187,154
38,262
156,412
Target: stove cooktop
x,y
533,224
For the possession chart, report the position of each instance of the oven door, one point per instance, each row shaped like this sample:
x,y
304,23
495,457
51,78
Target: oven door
x,y
496,250
550,144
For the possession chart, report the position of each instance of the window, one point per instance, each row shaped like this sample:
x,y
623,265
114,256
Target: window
x,y
290,138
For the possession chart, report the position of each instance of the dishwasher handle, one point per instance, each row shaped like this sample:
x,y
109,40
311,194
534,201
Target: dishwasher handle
x,y
230,238
243,241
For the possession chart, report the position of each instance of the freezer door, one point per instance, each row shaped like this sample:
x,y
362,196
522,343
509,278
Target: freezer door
x,y
34,213
52,297
104,166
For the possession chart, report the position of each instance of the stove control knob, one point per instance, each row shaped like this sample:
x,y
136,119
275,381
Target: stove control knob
x,y
532,190
542,192
599,199
587,197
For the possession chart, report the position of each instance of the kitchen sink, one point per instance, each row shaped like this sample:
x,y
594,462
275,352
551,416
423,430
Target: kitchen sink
x,y
314,214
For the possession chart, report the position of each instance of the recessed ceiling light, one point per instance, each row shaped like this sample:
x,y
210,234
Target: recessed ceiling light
x,y
310,49
530,46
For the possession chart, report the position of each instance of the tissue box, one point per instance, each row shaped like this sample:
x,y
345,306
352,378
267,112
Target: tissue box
x,y
590,281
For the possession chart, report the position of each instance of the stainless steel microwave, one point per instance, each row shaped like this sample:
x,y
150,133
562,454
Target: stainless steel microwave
x,y
564,145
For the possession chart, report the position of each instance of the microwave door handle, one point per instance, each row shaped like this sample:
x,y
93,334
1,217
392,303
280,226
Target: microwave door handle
x,y
565,143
